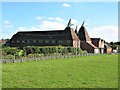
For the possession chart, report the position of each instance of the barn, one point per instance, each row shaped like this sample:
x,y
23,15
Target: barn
x,y
66,37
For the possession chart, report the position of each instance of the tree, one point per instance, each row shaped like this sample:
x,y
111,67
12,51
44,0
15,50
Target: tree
x,y
111,43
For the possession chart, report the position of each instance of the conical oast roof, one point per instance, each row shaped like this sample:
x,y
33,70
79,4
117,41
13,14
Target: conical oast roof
x,y
83,35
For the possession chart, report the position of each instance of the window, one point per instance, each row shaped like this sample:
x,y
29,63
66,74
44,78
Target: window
x,y
34,41
46,41
68,41
60,41
28,41
23,41
40,41
53,41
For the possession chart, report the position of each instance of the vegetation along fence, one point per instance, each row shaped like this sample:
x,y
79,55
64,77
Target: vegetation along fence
x,y
31,53
35,57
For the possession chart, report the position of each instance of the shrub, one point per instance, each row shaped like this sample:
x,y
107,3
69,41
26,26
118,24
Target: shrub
x,y
9,50
28,50
65,50
8,57
60,49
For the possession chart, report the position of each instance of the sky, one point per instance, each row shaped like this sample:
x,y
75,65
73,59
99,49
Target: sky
x,y
101,18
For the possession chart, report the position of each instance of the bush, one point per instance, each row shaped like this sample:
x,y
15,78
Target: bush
x,y
9,50
65,50
31,55
84,52
37,50
28,50
20,53
60,49
8,57
35,55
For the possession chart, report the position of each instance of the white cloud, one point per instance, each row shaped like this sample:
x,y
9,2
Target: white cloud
x,y
56,19
6,22
45,25
52,25
28,29
8,26
65,5
40,17
74,21
51,18
109,33
22,29
59,19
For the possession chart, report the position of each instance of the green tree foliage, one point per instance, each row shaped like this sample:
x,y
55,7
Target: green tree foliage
x,y
20,53
114,45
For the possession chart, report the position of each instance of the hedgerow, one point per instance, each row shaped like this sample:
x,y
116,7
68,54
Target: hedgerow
x,y
46,50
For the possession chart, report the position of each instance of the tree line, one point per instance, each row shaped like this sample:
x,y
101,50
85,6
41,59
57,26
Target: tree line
x,y
114,45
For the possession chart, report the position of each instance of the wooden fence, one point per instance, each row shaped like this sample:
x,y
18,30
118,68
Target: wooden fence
x,y
46,57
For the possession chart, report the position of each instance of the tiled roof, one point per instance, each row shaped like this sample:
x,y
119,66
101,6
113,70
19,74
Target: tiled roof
x,y
73,34
83,35
66,34
92,45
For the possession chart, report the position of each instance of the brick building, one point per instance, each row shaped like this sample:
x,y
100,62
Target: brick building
x,y
66,37
85,41
98,42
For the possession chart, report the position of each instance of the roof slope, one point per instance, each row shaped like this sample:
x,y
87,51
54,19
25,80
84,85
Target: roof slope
x,y
83,35
66,34
73,34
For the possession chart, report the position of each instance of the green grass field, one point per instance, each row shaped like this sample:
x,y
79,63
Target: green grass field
x,y
100,71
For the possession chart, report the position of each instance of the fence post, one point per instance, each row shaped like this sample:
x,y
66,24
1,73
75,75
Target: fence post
x,y
5,61
14,58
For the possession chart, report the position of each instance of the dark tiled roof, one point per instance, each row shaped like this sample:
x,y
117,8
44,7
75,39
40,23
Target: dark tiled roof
x,y
96,41
95,38
89,47
83,35
66,34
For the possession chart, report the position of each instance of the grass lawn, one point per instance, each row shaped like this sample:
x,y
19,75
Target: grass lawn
x,y
100,71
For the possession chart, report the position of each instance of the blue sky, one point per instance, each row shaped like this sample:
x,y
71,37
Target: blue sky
x,y
101,18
